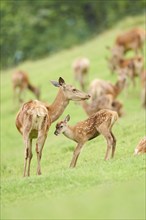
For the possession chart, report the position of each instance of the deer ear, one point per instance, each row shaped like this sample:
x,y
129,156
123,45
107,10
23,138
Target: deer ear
x,y
67,118
55,83
61,81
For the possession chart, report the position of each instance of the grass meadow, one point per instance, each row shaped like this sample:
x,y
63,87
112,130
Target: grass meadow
x,y
95,189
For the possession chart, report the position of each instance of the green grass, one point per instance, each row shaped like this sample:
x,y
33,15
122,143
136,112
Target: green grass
x,y
95,189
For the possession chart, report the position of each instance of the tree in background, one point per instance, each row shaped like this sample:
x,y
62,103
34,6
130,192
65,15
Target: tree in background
x,y
32,29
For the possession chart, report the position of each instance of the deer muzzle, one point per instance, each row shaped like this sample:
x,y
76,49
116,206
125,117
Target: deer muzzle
x,y
56,132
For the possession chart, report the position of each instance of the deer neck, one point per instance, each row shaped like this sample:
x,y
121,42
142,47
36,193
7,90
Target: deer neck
x,y
69,133
58,106
31,88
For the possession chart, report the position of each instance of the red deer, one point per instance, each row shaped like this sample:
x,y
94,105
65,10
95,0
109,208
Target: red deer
x,y
81,68
131,40
134,66
20,81
98,123
100,87
105,101
35,118
116,55
141,147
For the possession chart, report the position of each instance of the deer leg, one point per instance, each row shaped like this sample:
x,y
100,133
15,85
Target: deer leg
x,y
76,155
39,148
26,154
109,140
113,145
29,157
107,134
25,161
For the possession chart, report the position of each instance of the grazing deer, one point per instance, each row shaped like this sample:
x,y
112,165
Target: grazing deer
x,y
105,101
20,81
141,147
117,53
143,88
81,68
131,40
100,87
99,123
35,118
132,66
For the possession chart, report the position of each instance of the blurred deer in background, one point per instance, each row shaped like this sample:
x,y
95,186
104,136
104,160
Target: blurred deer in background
x,y
99,123
132,67
143,88
141,147
117,53
21,82
105,101
81,69
132,40
35,118
99,87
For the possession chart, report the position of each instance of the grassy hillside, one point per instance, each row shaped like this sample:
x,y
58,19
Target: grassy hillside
x,y
95,189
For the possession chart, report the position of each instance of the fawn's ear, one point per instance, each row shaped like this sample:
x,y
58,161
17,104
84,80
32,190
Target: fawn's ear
x,y
67,118
55,83
61,81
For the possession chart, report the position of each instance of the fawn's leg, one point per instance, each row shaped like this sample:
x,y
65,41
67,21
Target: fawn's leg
x,y
114,145
107,134
76,155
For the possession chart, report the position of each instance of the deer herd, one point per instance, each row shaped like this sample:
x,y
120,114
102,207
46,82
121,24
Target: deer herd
x,y
100,101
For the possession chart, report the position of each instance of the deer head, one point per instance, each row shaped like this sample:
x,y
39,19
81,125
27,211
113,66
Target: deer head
x,y
69,91
61,126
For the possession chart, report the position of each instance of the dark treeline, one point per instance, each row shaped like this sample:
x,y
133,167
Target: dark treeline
x,y
32,29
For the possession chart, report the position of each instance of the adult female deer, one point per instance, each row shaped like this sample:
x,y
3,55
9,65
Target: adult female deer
x,y
21,82
99,123
34,119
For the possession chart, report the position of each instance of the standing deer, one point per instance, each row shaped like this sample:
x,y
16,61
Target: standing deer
x,y
21,82
35,118
99,123
132,66
105,101
81,68
117,53
99,87
131,40
141,147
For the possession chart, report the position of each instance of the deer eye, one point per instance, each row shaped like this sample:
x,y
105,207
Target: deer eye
x,y
61,126
74,90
